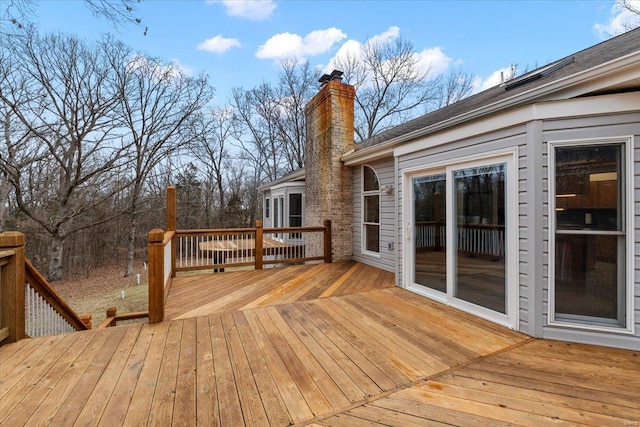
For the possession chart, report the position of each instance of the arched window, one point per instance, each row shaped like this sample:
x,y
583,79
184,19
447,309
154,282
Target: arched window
x,y
370,210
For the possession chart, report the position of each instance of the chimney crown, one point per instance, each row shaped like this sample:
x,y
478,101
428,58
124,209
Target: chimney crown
x,y
335,75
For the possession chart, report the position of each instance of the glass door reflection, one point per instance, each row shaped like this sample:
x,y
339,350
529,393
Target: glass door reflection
x,y
429,196
479,236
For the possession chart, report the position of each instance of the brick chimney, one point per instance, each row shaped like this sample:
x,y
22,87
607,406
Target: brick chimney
x,y
328,182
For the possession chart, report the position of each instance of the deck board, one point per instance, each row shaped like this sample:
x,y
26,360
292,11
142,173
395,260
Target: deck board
x,y
192,296
321,351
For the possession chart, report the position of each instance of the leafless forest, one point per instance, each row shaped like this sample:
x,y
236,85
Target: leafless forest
x,y
93,133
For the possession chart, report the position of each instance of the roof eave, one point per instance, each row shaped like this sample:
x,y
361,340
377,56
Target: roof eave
x,y
569,86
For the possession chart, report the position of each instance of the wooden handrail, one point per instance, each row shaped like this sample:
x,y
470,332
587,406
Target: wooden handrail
x,y
23,284
42,287
113,317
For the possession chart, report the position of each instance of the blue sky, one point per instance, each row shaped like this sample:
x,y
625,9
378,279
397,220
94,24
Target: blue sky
x,y
238,43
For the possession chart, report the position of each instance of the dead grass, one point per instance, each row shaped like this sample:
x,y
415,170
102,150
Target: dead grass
x,y
103,289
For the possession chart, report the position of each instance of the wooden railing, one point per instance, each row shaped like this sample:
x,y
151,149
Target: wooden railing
x,y
476,239
215,250
161,255
29,306
113,317
255,247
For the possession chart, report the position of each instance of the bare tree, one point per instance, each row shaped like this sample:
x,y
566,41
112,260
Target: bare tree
x,y
18,14
257,112
273,120
296,86
390,85
634,8
157,102
457,84
63,147
212,131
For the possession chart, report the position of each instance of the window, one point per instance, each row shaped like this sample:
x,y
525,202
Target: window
x,y
295,213
371,210
276,216
266,207
590,239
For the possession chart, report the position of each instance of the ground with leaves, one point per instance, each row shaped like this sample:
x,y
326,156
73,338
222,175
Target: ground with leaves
x,y
102,289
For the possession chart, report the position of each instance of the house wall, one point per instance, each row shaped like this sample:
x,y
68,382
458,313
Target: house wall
x,y
531,141
620,125
386,259
281,191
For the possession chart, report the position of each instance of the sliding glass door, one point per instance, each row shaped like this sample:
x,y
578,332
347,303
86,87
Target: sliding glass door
x,y
460,239
479,207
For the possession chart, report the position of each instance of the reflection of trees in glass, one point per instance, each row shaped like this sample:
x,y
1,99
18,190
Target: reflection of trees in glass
x,y
429,198
480,195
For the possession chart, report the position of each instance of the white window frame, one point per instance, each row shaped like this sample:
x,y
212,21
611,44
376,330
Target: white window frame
x,y
509,157
267,207
628,230
289,208
362,216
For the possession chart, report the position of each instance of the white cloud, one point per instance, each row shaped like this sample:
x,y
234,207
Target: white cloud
x,y
390,34
431,60
186,69
219,44
434,61
254,10
287,45
349,49
159,70
621,19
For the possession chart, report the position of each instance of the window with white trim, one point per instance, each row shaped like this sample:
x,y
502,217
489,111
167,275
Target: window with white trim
x,y
370,210
591,237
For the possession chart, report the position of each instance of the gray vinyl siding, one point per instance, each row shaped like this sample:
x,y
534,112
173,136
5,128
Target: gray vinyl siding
x,y
388,222
605,126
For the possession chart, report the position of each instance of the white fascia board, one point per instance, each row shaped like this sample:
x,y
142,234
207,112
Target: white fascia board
x,y
299,184
605,104
382,151
298,176
609,74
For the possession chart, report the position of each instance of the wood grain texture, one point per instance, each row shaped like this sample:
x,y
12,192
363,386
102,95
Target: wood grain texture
x,y
377,356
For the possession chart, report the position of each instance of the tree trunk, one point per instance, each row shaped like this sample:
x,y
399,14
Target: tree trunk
x,y
4,204
56,250
131,243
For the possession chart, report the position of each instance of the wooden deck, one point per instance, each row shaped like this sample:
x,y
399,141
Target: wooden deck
x,y
377,357
199,295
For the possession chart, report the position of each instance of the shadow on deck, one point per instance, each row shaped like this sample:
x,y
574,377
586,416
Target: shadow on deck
x,y
329,354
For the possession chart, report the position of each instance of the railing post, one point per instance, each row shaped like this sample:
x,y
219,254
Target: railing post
x,y
12,281
172,224
111,313
86,319
259,245
327,241
156,276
